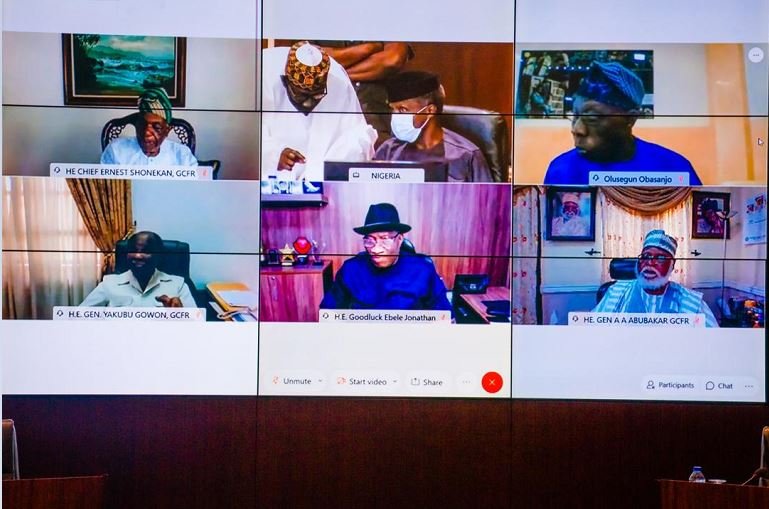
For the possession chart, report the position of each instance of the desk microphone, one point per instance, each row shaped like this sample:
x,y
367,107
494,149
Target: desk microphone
x,y
762,472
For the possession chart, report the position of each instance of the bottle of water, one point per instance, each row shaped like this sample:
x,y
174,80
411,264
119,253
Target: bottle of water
x,y
697,475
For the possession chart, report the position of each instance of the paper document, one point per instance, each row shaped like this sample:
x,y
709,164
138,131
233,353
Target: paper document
x,y
240,298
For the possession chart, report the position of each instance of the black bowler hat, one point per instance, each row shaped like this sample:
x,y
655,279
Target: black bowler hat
x,y
382,217
411,84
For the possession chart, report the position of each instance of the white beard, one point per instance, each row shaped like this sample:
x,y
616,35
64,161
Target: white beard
x,y
655,283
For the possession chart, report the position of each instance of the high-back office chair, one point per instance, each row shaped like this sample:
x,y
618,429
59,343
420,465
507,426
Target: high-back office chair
x,y
619,269
175,260
183,130
488,130
10,451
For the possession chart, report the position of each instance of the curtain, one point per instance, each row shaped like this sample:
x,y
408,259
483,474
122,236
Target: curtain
x,y
625,228
105,206
49,258
526,255
647,201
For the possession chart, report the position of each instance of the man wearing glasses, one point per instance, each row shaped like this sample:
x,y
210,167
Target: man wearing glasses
x,y
606,107
652,291
384,276
312,114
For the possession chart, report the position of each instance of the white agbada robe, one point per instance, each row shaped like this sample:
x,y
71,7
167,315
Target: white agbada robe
x,y
322,135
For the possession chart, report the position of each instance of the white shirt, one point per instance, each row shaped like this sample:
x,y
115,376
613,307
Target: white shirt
x,y
127,151
123,290
335,130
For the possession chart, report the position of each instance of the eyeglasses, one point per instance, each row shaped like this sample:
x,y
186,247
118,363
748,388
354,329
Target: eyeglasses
x,y
387,242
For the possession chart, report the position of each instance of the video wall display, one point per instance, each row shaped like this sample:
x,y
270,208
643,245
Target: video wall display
x,y
468,193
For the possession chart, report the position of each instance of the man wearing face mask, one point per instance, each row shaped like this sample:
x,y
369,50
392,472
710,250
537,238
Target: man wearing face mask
x,y
150,146
143,285
652,291
383,276
312,114
416,101
606,107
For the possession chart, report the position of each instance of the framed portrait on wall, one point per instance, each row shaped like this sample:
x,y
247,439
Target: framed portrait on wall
x,y
709,211
113,70
570,213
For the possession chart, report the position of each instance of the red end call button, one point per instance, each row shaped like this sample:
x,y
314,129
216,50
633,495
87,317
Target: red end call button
x,y
492,382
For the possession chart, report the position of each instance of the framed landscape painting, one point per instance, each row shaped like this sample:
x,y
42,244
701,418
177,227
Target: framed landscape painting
x,y
113,70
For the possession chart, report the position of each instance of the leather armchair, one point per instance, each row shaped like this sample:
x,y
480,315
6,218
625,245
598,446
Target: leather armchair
x,y
174,260
183,130
488,130
619,269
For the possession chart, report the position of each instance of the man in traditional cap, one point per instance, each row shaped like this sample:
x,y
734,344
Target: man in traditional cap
x,y
329,125
383,276
606,107
143,284
652,291
570,223
416,101
150,146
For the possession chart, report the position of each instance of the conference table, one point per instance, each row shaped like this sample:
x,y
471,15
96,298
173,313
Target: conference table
x,y
86,492
690,495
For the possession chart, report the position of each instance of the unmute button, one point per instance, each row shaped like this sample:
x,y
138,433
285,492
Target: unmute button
x,y
299,382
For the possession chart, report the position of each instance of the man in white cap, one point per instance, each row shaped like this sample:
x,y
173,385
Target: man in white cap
x,y
652,291
312,114
570,223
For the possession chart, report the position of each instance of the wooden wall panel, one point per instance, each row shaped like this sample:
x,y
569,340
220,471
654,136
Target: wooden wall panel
x,y
159,452
384,453
473,74
213,452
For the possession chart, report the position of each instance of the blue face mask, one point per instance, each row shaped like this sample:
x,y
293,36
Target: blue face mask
x,y
402,126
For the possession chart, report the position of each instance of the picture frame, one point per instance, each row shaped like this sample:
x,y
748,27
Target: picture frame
x,y
706,221
570,213
549,79
112,70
